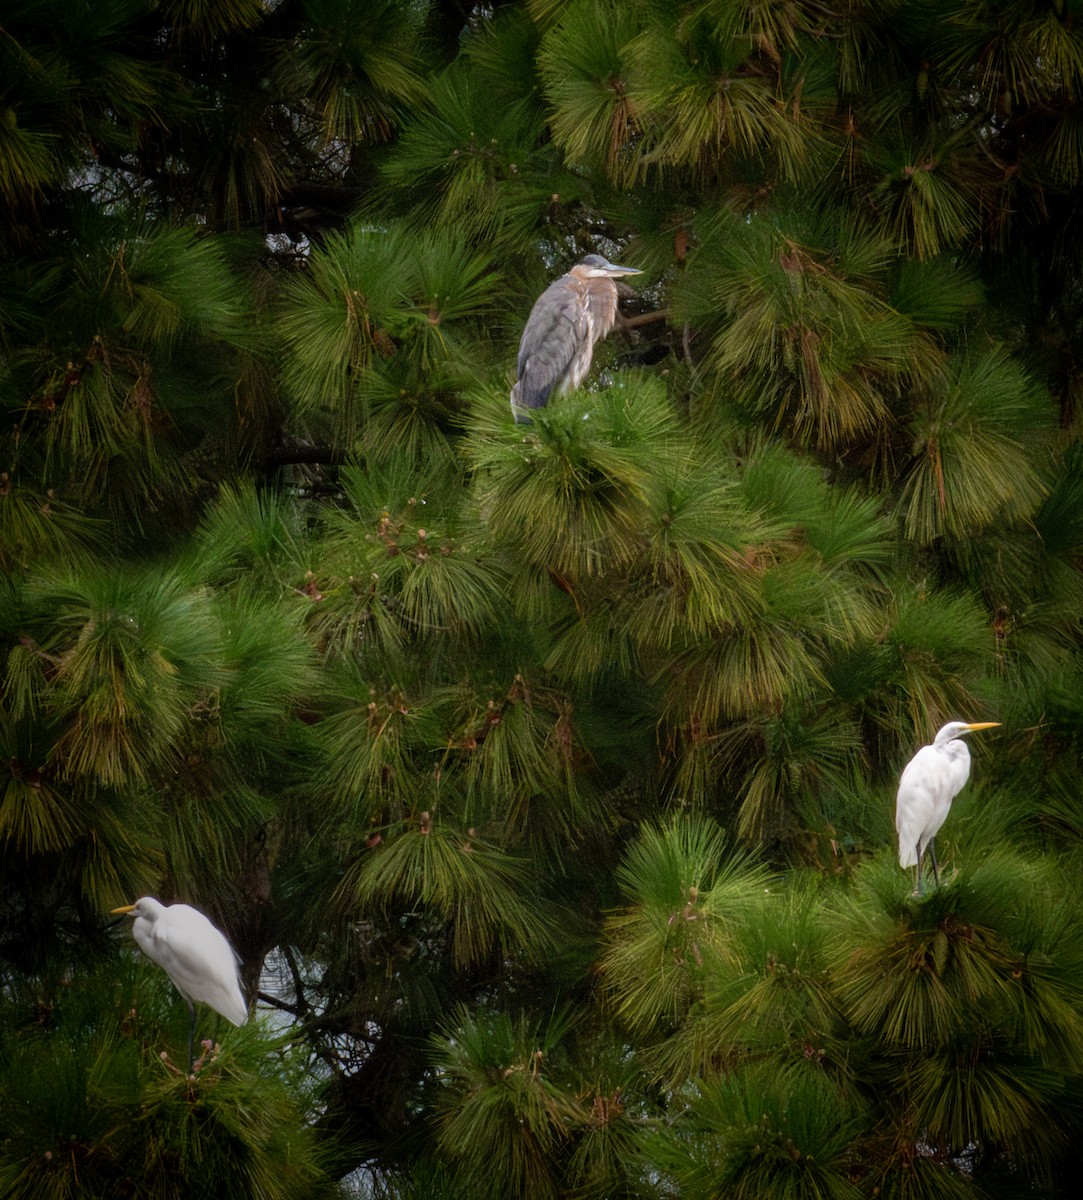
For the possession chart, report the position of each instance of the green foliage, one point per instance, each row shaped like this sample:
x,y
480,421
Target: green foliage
x,y
969,467
594,119
95,1108
585,732
806,337
121,661
962,979
472,165
569,498
934,650
767,1132
36,527
375,294
673,937
776,1000
499,1094
465,883
358,64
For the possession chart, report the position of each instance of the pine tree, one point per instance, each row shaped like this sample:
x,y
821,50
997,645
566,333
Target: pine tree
x,y
542,778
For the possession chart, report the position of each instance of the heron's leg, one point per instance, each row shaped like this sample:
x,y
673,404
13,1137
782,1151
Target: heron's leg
x,y
920,891
191,1032
932,855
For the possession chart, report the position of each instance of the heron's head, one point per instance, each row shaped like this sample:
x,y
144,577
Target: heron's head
x,y
957,729
145,906
596,267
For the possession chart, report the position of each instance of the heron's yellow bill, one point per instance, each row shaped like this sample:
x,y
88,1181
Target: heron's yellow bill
x,y
125,908
983,725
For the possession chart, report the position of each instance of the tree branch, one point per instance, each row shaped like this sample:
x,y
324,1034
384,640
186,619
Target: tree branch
x,y
302,452
661,314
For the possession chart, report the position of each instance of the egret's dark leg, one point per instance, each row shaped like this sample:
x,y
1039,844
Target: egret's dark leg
x,y
932,855
920,889
191,1032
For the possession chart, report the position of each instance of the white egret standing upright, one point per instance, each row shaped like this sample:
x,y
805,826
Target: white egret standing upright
x,y
568,318
194,954
929,783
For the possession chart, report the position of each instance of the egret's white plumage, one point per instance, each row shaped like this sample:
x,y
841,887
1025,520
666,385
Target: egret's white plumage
x,y
929,783
193,953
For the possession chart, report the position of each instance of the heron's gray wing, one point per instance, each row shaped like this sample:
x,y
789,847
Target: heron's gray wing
x,y
556,330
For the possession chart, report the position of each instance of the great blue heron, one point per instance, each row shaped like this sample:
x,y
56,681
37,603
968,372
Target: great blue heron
x,y
929,783
573,313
